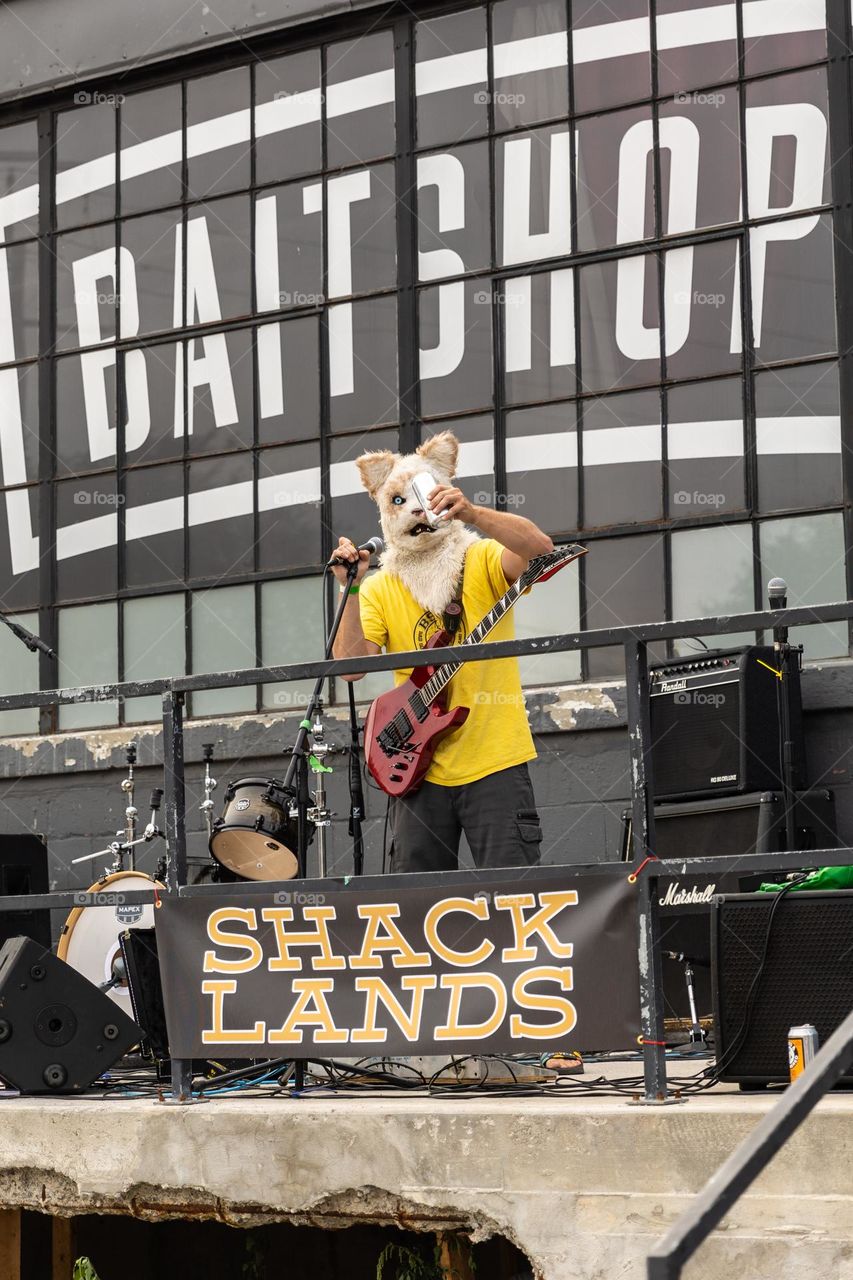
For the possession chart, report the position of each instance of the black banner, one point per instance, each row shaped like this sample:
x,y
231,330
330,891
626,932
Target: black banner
x,y
510,966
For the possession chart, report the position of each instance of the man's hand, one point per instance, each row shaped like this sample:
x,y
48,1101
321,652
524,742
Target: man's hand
x,y
349,552
451,504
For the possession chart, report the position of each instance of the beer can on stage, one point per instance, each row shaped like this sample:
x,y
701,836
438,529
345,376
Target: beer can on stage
x,y
803,1044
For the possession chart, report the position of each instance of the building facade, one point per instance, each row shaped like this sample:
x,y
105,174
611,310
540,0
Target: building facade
x,y
606,244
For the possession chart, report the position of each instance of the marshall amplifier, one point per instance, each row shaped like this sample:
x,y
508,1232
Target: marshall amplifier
x,y
715,723
725,826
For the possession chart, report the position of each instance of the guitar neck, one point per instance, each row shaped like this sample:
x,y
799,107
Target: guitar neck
x,y
445,673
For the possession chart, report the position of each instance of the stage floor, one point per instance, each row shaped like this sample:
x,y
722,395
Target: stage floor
x,y
582,1184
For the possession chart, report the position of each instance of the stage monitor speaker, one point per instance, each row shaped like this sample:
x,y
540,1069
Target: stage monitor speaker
x,y
58,1031
807,977
23,869
715,723
723,826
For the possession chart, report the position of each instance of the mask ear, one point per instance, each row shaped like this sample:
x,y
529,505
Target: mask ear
x,y
442,451
375,469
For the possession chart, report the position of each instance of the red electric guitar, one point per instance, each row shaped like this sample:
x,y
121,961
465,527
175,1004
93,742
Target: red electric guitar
x,y
404,725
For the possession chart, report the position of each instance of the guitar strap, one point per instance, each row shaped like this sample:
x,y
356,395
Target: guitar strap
x,y
453,610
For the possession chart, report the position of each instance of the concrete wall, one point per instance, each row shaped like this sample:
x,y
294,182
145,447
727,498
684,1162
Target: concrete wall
x,y
67,786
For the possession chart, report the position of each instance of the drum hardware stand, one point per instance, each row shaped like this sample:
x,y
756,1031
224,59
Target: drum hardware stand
x,y
119,848
777,593
299,756
318,813
130,813
697,1033
206,806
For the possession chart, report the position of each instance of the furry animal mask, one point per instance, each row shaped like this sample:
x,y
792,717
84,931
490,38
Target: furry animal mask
x,y
428,561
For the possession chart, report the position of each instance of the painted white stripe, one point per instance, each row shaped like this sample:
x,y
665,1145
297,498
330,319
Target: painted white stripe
x,y
610,40
290,490
534,53
805,435
223,131
287,112
782,17
145,157
344,479
356,95
621,444
697,26
221,503
88,535
453,72
151,518
83,178
722,438
542,452
476,458
19,205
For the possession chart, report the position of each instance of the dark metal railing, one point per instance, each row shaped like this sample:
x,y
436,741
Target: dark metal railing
x,y
634,641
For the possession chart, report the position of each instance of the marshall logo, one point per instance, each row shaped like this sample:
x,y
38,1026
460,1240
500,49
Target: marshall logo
x,y
675,896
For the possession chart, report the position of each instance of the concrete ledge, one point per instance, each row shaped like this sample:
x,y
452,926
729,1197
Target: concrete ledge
x,y
582,1186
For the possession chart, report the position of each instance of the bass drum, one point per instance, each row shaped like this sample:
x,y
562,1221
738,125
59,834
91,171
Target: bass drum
x,y
89,938
256,837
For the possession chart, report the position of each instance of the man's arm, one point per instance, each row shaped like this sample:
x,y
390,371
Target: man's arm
x,y
520,538
350,641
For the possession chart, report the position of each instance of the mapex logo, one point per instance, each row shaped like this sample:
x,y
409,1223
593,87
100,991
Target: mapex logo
x,y
675,896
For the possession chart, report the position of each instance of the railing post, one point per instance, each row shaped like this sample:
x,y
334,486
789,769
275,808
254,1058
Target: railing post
x,y
643,831
176,840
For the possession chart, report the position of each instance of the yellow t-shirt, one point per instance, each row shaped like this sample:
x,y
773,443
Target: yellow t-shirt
x,y
496,734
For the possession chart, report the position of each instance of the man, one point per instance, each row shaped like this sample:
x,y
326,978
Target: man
x,y
478,781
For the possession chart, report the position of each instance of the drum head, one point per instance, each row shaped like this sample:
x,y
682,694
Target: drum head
x,y
253,855
89,941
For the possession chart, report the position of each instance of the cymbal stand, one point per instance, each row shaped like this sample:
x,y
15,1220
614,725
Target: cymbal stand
x,y
206,806
130,815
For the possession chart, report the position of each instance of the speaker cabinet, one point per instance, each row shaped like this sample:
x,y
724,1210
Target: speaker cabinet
x,y
23,869
715,723
58,1032
725,826
807,977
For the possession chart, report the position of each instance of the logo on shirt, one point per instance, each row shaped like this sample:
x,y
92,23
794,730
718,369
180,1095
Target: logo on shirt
x,y
426,627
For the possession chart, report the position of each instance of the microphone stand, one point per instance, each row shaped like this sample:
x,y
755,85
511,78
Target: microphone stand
x,y
777,592
26,637
301,757
356,790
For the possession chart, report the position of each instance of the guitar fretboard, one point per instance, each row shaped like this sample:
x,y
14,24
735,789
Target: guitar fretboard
x,y
445,673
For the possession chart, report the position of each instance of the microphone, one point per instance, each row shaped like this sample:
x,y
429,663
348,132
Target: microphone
x,y
685,959
374,545
118,975
777,592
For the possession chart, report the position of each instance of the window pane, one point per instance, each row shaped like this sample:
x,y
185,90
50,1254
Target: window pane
x,y
451,108
624,583
86,537
148,247
792,39
218,108
700,146
621,451
808,552
86,411
219,391
602,79
541,466
291,631
541,92
19,175
19,396
218,261
798,429
712,575
714,55
793,298
22,270
154,646
539,352
151,117
88,655
552,608
287,116
702,294
154,395
454,212
476,466
288,380
360,99
787,151
455,322
533,198
154,526
85,134
607,213
353,512
290,507
19,673
289,247
221,489
705,450
86,287
617,356
363,363
223,639
19,549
